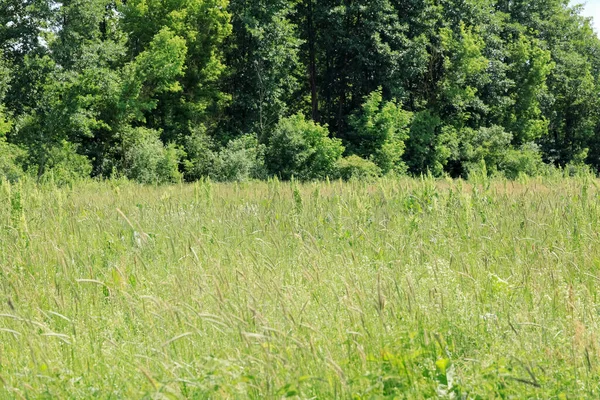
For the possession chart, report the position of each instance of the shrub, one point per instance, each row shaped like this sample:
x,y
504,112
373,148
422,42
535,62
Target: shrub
x,y
147,160
526,160
379,132
200,157
427,148
577,166
355,167
11,158
64,165
240,160
302,149
492,148
490,144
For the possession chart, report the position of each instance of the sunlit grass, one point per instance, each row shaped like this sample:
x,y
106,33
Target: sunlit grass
x,y
401,287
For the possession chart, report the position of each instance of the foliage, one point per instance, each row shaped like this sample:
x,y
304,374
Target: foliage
x,y
202,26
530,67
379,132
241,159
265,71
417,86
302,149
11,160
351,49
200,155
465,67
525,160
147,160
64,165
425,146
488,144
5,123
355,167
10,167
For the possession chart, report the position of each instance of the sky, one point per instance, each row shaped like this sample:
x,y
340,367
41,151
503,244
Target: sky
x,y
592,9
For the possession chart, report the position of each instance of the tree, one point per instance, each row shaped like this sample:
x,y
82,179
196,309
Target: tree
x,y
529,68
263,54
24,30
5,124
352,49
10,155
203,25
207,85
379,132
91,96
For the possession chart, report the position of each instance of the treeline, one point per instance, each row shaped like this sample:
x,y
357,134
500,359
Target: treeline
x,y
161,91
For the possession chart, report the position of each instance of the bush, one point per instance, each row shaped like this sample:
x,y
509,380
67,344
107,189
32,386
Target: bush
x,y
64,165
240,160
491,147
379,132
200,157
302,149
147,160
490,144
427,146
11,158
577,166
355,167
527,160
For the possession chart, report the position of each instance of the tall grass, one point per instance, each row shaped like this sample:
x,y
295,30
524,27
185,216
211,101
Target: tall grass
x,y
400,287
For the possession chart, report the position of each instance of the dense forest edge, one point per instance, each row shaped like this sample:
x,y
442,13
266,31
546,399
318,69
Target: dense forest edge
x,y
181,90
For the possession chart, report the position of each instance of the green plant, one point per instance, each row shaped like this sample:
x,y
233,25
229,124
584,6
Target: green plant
x,y
200,155
11,161
302,149
355,167
399,287
490,144
241,159
147,160
64,165
526,160
379,131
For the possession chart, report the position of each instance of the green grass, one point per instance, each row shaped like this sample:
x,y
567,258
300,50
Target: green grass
x,y
402,288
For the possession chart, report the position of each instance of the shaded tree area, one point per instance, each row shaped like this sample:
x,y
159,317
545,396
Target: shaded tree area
x,y
160,91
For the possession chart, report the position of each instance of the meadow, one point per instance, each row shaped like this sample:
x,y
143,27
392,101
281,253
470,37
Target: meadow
x,y
396,288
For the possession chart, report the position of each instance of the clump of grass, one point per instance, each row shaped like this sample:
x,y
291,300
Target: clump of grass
x,y
397,287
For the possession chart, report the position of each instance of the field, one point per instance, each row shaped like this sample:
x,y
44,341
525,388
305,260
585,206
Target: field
x,y
400,288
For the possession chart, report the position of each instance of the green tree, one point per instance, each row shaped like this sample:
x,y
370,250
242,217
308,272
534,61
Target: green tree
x,y
379,131
203,25
92,95
302,149
465,72
529,68
351,49
24,31
573,89
5,124
263,56
9,154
